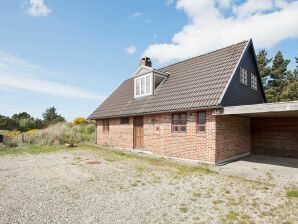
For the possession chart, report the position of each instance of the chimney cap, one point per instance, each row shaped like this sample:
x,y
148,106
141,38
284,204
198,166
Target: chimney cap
x,y
146,61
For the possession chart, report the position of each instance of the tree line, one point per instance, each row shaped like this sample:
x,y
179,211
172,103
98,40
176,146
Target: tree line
x,y
24,121
280,84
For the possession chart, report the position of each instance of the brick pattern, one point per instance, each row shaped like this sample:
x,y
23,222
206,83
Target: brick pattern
x,y
120,135
225,137
233,137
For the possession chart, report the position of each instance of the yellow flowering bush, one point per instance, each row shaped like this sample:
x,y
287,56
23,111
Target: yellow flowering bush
x,y
32,131
10,134
79,120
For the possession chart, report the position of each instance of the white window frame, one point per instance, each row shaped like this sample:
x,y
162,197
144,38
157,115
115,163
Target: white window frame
x,y
145,84
253,81
243,76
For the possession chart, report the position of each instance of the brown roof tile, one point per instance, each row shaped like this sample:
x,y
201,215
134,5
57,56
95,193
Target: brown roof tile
x,y
193,84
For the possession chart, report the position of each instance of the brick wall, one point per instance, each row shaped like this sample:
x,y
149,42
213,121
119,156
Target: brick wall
x,y
120,135
159,138
225,137
233,137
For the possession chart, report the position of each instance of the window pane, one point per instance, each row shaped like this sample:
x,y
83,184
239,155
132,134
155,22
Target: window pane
x,y
138,87
175,128
183,128
175,119
143,85
148,84
202,128
183,119
202,118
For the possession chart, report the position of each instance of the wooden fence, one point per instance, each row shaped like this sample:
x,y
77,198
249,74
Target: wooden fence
x,y
23,138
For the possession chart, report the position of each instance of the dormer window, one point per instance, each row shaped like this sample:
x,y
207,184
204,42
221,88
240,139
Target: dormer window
x,y
143,85
147,79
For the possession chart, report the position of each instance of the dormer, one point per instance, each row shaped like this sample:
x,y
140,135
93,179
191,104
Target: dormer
x,y
147,79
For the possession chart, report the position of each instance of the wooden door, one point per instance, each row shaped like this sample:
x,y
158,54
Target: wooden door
x,y
138,132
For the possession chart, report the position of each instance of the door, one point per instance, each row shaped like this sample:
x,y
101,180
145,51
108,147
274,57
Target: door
x,y
138,132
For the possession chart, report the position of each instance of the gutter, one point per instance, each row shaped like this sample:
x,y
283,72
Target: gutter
x,y
157,112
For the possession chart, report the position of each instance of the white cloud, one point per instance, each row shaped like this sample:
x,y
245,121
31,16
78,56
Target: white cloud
x,y
224,3
16,73
131,49
136,14
253,6
209,28
38,8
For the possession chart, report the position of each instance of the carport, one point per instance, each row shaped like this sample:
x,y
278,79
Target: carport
x,y
274,127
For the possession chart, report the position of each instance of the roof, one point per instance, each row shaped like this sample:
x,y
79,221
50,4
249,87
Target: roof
x,y
280,109
195,83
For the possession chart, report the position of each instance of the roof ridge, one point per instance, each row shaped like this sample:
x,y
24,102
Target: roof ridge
x,y
202,54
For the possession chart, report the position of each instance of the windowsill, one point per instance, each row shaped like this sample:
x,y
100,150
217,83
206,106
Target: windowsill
x,y
243,84
201,134
178,133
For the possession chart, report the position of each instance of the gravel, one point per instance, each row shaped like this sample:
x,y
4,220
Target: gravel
x,y
63,187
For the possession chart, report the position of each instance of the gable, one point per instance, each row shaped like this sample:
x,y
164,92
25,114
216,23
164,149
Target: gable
x,y
238,93
142,70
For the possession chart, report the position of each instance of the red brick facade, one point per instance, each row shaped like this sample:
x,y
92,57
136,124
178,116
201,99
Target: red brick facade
x,y
224,138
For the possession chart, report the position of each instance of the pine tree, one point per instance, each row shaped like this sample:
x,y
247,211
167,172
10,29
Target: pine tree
x,y
276,82
51,116
264,68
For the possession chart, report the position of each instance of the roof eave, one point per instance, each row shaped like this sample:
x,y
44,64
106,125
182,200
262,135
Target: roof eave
x,y
157,112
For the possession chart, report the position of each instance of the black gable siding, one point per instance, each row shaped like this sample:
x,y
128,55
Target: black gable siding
x,y
239,94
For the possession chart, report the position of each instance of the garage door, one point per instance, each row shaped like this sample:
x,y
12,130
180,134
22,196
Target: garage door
x,y
275,136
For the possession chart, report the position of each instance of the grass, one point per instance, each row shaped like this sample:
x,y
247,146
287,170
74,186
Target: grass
x,y
29,149
292,193
110,155
236,217
184,209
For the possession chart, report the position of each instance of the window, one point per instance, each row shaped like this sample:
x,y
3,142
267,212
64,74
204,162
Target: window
x,y
243,76
201,121
253,80
143,85
179,122
124,120
105,125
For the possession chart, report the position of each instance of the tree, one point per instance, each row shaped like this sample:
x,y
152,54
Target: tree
x,y
51,116
263,63
7,123
276,82
20,116
27,124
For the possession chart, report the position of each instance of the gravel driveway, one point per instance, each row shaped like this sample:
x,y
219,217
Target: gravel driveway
x,y
62,187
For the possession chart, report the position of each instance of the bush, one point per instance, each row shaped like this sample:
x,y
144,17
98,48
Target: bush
x,y
27,124
11,134
79,120
63,132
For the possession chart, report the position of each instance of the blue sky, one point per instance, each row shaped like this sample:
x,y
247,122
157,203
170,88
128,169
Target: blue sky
x,y
73,54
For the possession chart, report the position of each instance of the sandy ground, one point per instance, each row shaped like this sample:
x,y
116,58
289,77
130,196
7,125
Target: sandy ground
x,y
61,187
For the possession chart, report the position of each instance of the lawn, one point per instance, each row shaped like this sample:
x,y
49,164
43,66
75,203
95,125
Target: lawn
x,y
88,184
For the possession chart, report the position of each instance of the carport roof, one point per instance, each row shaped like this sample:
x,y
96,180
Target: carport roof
x,y
281,109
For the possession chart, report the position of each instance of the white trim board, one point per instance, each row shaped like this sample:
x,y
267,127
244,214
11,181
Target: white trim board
x,y
291,106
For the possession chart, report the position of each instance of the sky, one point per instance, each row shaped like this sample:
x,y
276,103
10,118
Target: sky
x,y
73,54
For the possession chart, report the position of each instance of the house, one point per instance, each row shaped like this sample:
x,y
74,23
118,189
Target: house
x,y
210,108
